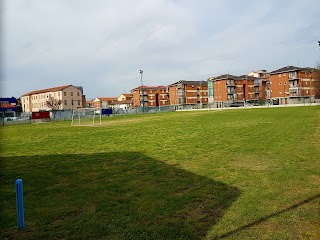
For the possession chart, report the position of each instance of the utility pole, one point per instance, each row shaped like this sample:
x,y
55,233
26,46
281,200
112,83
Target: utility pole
x,y
142,96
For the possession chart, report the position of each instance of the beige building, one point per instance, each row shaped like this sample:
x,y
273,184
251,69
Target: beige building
x,y
104,102
72,97
124,101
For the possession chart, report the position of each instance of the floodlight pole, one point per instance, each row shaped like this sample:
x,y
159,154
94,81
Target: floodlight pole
x,y
142,96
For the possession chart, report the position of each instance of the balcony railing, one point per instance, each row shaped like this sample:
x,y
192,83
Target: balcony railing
x,y
293,77
231,92
294,95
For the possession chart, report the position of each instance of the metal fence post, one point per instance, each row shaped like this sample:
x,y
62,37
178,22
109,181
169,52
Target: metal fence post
x,y
19,204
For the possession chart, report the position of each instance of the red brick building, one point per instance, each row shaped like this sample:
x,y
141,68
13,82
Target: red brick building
x,y
188,94
227,90
292,85
150,96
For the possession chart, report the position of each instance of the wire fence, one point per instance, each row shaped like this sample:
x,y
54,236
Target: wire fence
x,y
66,115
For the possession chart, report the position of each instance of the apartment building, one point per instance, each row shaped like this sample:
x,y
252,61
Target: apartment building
x,y
150,96
188,94
104,102
72,97
227,90
124,101
261,84
89,104
291,85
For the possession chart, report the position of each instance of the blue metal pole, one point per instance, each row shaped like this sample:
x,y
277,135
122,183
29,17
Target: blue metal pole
x,y
19,204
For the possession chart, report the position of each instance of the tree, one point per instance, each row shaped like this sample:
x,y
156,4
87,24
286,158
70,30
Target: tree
x,y
19,106
54,104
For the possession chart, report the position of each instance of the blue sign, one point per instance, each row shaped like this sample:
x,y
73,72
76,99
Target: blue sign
x,y
106,111
8,104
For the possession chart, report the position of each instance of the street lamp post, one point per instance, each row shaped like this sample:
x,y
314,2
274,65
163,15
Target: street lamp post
x,y
142,96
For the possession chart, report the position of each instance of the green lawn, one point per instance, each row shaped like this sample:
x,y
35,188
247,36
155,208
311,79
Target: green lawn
x,y
233,174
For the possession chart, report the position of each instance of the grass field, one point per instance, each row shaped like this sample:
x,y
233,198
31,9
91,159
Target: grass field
x,y
233,174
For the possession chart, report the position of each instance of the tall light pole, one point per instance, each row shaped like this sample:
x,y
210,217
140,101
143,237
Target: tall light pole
x,y
142,96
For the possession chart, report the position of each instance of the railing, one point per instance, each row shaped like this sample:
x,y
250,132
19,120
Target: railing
x,y
293,77
294,95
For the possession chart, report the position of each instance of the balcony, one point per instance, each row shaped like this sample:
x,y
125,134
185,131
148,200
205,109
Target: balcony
x,y
257,83
230,83
294,95
231,92
143,94
293,77
294,92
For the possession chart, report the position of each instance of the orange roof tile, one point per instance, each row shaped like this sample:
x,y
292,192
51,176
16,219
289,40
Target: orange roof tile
x,y
54,89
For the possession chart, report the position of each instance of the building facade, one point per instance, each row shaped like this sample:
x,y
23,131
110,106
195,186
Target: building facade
x,y
292,85
104,102
229,90
124,101
192,94
150,96
71,98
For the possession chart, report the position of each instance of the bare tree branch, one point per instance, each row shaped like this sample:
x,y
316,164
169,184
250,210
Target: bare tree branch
x,y
54,104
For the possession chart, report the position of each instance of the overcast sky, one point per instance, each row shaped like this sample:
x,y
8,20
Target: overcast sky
x,y
102,44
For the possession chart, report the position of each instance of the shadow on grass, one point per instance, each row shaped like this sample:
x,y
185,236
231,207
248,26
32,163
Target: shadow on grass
x,y
265,218
113,195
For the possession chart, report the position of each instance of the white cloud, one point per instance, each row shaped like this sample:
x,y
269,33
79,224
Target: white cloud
x,y
102,45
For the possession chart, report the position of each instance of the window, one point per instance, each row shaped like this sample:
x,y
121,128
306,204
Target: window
x,y
192,86
285,83
239,88
79,102
78,94
162,91
71,93
64,94
284,74
65,102
280,83
150,91
238,81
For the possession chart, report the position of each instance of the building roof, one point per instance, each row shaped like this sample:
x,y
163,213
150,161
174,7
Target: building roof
x,y
186,82
291,69
128,95
231,77
106,99
54,89
223,77
149,87
247,77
